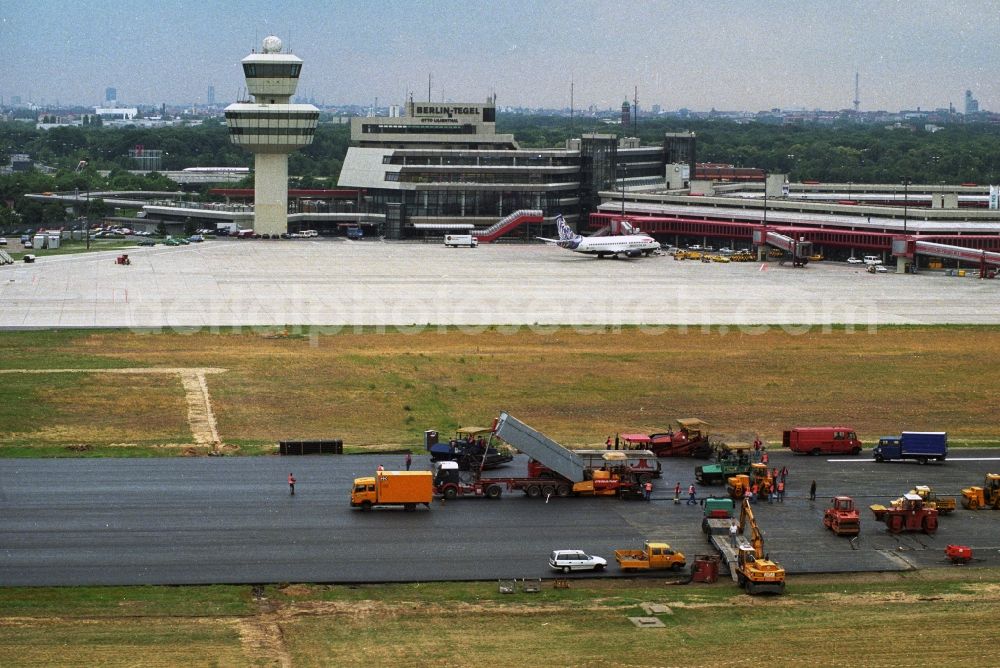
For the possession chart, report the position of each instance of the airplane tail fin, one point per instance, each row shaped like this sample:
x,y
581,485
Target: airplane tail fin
x,y
565,232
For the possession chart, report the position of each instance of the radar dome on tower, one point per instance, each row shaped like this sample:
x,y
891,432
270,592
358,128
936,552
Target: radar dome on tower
x,y
272,44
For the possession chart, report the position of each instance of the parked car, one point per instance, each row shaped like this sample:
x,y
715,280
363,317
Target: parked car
x,y
197,238
146,242
27,244
170,241
855,260
696,247
576,560
3,241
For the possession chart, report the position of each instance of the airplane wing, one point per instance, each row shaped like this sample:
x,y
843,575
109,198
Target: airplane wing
x,y
549,241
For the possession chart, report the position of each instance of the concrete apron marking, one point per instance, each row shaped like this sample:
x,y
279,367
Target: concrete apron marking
x,y
201,418
950,459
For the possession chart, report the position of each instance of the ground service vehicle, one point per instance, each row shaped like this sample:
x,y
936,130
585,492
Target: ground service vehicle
x,y
393,488
576,560
945,505
690,440
922,446
822,440
729,461
457,240
354,233
472,448
987,496
842,517
652,556
910,515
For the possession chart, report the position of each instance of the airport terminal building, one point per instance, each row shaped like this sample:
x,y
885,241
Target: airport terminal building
x,y
443,167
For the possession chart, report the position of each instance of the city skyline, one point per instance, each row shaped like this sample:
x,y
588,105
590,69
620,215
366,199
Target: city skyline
x,y
745,56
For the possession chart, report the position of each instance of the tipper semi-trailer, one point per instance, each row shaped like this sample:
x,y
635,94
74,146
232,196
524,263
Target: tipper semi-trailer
x,y
554,470
923,446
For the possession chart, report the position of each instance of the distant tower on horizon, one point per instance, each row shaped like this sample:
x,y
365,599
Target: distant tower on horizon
x,y
211,95
271,128
857,92
110,96
626,114
971,103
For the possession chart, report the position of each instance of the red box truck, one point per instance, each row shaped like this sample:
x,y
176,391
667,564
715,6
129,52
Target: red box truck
x,y
822,441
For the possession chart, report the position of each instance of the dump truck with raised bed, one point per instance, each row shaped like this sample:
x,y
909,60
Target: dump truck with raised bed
x,y
393,488
652,556
910,515
842,517
554,470
922,446
987,496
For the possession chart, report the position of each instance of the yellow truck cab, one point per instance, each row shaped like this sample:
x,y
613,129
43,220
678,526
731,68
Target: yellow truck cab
x,y
393,488
651,556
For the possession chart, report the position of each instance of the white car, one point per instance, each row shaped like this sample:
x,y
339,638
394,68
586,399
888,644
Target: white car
x,y
3,241
855,260
881,269
575,560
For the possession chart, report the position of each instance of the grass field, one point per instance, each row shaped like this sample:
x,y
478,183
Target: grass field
x,y
933,618
384,389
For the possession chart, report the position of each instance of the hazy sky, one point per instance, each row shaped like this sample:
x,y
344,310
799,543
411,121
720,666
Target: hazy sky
x,y
751,54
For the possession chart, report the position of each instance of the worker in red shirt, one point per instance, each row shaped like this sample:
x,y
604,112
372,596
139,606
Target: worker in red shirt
x,y
677,493
781,491
648,489
291,483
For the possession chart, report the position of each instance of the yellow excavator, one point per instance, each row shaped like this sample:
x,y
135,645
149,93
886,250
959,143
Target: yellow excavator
x,y
987,496
755,572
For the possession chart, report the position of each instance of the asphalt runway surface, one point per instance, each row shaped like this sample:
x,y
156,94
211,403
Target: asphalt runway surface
x,y
323,285
232,520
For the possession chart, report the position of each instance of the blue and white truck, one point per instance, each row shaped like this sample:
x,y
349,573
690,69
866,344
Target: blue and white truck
x,y
923,446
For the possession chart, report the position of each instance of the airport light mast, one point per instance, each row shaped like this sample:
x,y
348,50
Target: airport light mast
x,y
271,128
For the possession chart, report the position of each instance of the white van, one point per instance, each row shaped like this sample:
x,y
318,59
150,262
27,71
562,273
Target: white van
x,y
456,240
873,259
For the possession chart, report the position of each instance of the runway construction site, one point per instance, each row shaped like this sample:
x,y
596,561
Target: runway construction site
x,y
229,347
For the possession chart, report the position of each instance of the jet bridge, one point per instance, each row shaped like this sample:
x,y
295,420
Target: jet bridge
x,y
907,247
799,249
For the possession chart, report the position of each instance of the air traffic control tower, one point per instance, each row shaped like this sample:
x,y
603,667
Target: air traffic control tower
x,y
271,128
